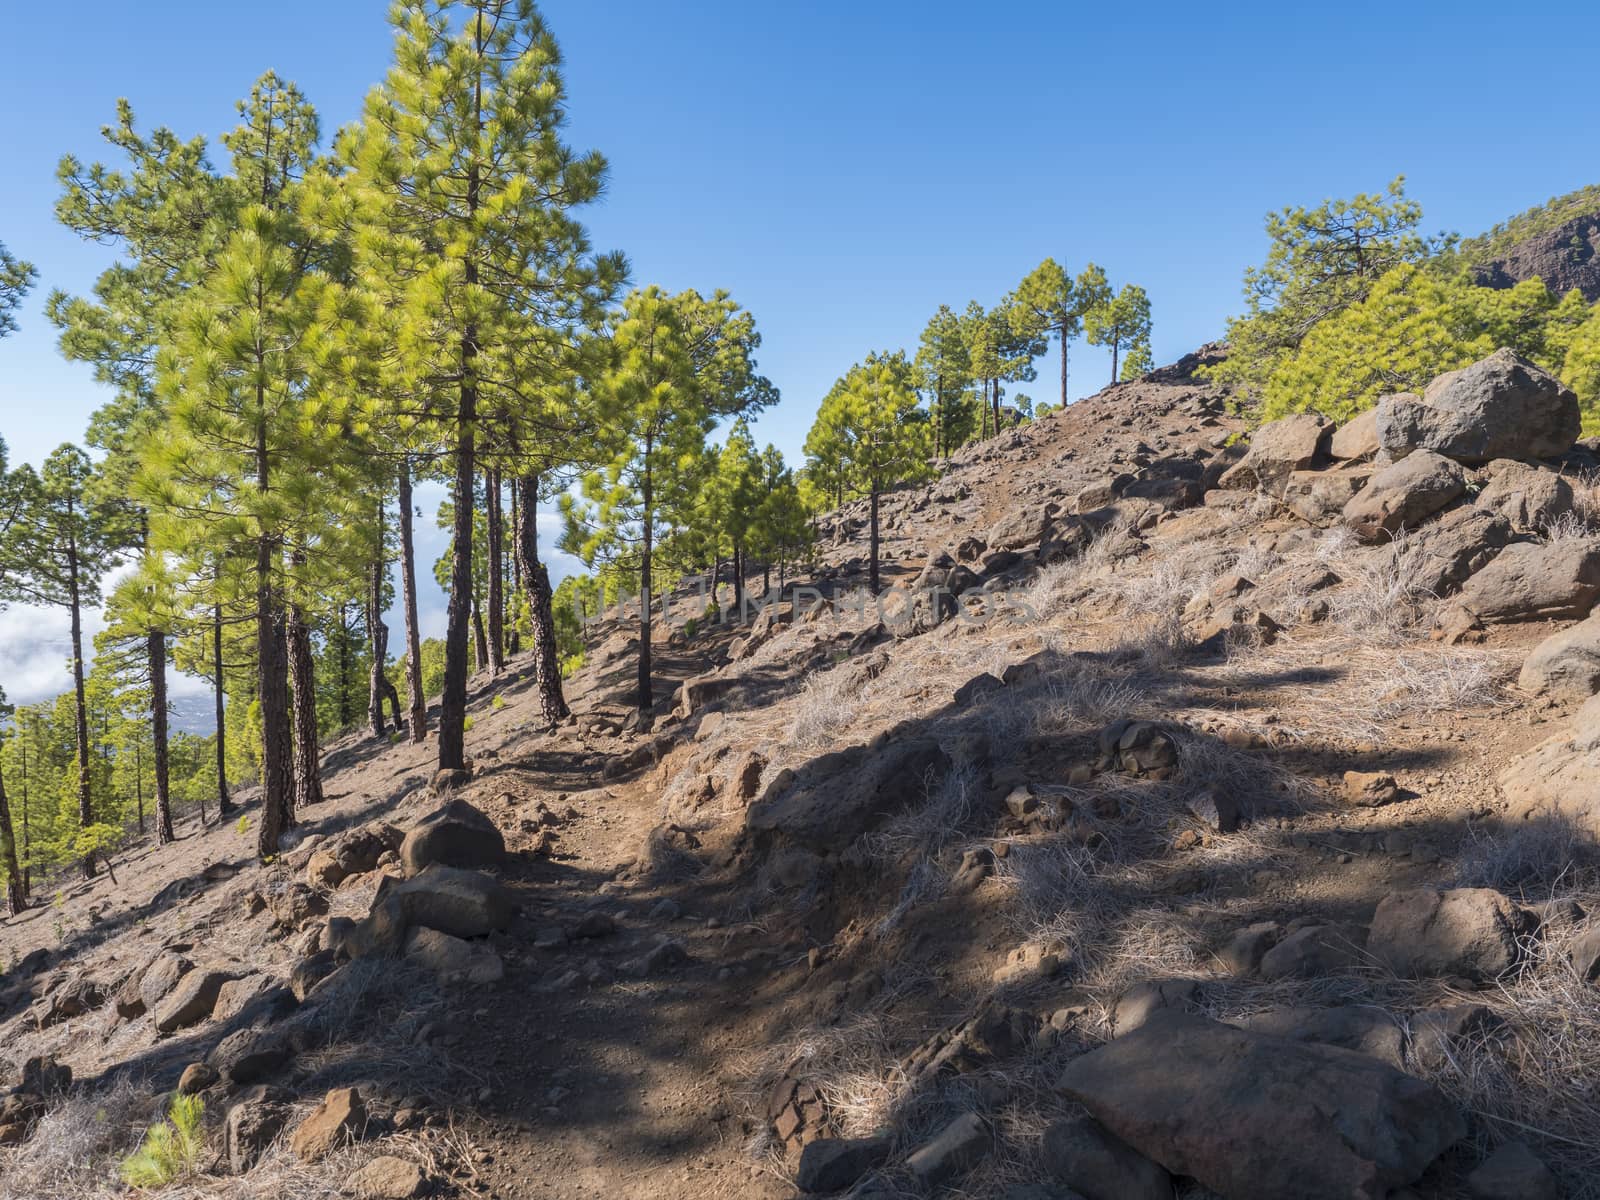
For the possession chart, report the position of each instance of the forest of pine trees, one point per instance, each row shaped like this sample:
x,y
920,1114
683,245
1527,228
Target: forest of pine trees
x,y
300,329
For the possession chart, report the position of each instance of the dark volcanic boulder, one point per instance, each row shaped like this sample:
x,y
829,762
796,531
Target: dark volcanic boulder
x,y
1256,1117
453,835
1278,448
1532,581
1473,932
1565,665
1560,777
1532,498
1501,407
1404,495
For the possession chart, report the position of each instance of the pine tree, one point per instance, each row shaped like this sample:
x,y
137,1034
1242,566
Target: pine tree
x,y
252,385
872,423
944,371
68,540
1320,261
143,612
16,277
680,363
14,491
1123,324
466,190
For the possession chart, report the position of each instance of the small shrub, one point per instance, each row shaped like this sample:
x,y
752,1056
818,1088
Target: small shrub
x,y
243,826
691,627
170,1150
466,725
498,703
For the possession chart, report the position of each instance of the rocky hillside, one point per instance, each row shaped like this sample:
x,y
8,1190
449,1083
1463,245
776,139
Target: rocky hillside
x,y
1198,814
1556,242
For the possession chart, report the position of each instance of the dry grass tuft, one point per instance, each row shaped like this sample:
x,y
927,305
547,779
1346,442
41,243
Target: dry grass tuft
x,y
1534,860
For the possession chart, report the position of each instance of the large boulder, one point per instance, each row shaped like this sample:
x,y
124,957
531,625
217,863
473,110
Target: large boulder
x,y
1277,449
453,835
1445,553
1356,439
1021,527
1535,581
251,1054
1082,1155
1256,1117
192,1000
1559,778
1404,494
341,1118
1565,665
158,980
253,1123
1501,407
1320,497
464,904
1532,498
1472,932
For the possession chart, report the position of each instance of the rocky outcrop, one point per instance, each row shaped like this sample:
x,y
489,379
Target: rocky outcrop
x,y
1501,407
1532,498
1534,581
1565,256
454,835
1404,495
1565,665
1475,933
1256,1117
1559,778
1277,449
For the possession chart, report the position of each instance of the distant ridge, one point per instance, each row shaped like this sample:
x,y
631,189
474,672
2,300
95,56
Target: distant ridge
x,y
1558,241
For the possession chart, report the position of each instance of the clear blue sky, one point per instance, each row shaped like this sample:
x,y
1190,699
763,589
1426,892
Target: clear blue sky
x,y
843,168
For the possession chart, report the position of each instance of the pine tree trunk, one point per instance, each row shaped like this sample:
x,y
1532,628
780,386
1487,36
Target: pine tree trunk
x,y
514,635
344,666
453,704
277,768
302,679
16,892
81,706
378,637
158,732
480,639
1061,332
495,528
646,700
738,583
1114,348
225,804
27,843
416,702
873,552
277,774
541,611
